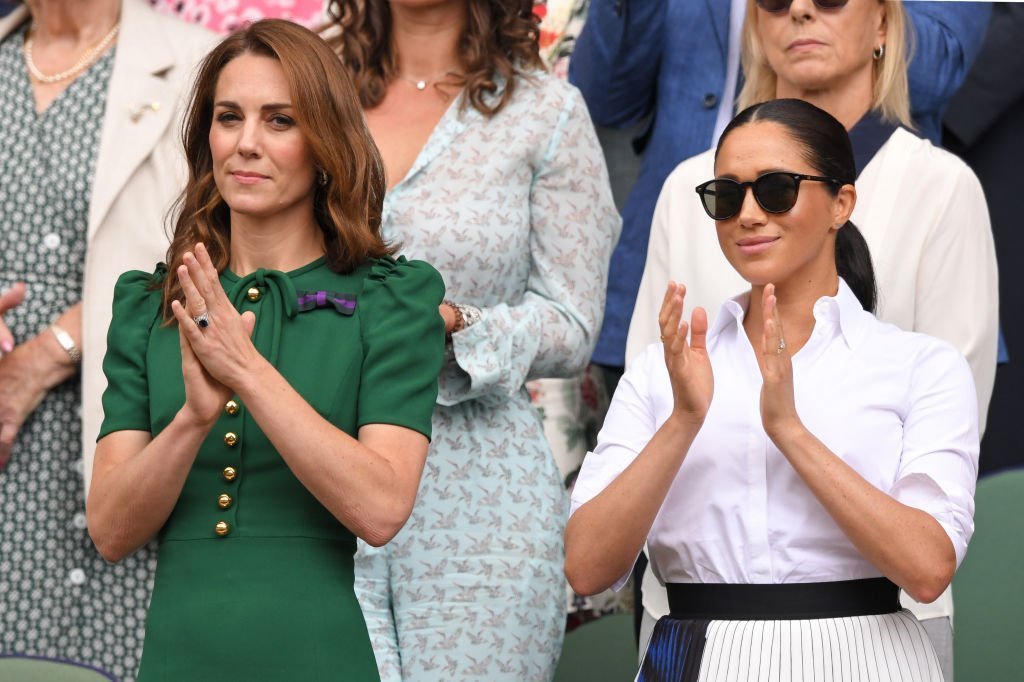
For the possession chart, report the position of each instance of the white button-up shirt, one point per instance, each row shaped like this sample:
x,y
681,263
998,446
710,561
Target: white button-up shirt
x,y
898,407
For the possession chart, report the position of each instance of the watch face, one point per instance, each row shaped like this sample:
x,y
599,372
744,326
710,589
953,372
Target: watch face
x,y
470,314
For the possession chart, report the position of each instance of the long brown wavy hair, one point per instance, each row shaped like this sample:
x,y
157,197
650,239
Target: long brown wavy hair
x,y
347,207
500,40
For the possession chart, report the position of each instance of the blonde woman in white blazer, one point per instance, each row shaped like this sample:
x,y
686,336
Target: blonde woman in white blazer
x,y
92,89
921,209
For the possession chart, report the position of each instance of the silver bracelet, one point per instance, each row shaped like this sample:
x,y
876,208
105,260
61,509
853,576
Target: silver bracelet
x,y
67,343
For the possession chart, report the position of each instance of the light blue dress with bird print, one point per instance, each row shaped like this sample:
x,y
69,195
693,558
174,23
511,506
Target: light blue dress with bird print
x,y
516,213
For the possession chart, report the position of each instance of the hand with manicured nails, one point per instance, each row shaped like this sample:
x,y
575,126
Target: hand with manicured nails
x,y
778,404
689,367
212,358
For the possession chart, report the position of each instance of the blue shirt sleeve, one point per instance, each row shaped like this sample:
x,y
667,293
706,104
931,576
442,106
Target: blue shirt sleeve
x,y
616,59
945,39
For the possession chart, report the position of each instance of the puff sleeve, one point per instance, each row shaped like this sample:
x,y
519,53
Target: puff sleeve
x,y
136,311
403,338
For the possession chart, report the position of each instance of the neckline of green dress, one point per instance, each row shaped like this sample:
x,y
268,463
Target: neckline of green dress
x,y
229,275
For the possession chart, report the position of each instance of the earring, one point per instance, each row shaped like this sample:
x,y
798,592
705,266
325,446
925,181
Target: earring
x,y
322,177
878,52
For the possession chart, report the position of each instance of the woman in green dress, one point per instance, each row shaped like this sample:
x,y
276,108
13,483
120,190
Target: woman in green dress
x,y
270,391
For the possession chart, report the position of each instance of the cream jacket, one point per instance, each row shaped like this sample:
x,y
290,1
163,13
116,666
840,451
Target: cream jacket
x,y
139,171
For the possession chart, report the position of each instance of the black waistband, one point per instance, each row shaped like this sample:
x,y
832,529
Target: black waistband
x,y
787,601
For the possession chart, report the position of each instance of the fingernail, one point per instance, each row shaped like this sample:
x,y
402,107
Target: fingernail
x,y
7,345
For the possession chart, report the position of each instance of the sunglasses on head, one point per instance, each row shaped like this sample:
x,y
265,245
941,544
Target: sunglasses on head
x,y
783,5
775,192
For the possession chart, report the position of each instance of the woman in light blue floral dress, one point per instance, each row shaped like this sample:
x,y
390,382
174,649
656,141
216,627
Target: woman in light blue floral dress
x,y
496,178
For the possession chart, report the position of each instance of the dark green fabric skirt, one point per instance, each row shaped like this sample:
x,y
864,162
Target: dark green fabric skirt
x,y
255,608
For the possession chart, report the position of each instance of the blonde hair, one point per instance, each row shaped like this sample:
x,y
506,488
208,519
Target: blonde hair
x,y
891,92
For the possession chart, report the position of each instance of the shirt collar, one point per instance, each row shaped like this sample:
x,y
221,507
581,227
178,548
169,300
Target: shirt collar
x,y
868,136
842,310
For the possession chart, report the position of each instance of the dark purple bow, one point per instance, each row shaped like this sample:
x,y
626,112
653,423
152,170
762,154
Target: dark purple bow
x,y
343,303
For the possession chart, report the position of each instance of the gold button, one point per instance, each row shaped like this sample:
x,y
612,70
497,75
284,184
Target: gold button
x,y
253,294
224,501
230,439
222,528
230,473
231,407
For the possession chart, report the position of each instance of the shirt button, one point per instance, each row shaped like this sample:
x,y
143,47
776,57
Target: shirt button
x,y
222,528
224,501
253,294
231,407
230,473
51,240
77,576
230,439
710,100
78,520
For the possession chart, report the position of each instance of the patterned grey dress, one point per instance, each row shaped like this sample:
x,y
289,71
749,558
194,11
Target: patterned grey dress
x,y
58,597
516,213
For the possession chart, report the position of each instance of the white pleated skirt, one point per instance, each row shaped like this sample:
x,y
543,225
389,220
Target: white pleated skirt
x,y
891,647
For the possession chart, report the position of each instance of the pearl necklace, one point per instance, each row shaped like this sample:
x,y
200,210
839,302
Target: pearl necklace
x,y
85,61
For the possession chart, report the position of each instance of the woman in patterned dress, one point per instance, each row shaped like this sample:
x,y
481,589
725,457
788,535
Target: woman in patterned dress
x,y
87,157
496,178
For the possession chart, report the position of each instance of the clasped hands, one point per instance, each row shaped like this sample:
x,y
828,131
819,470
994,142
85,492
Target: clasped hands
x,y
691,375
27,371
216,356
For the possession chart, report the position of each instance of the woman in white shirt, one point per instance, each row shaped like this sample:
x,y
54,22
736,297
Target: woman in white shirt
x,y
836,461
921,209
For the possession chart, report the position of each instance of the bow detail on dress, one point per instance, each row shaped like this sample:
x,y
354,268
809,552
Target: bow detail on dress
x,y
343,303
283,303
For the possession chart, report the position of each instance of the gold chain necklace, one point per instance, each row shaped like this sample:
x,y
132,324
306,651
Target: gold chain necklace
x,y
85,61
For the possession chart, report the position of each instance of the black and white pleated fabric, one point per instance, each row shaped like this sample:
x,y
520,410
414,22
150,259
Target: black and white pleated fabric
x,y
891,647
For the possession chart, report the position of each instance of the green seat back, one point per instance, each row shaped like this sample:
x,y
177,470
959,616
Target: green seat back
x,y
25,669
603,649
988,590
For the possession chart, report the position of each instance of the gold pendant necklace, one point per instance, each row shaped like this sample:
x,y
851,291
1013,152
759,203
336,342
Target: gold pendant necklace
x,y
422,83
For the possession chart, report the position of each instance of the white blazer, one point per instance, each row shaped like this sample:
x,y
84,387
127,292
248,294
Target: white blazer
x,y
924,217
140,170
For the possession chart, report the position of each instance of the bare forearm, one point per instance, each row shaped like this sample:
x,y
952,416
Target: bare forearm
x,y
58,365
906,544
132,496
605,535
359,486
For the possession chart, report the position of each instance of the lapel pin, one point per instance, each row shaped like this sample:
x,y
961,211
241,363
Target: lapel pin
x,y
136,112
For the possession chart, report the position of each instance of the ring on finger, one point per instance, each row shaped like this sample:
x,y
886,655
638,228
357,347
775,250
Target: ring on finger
x,y
202,320
782,347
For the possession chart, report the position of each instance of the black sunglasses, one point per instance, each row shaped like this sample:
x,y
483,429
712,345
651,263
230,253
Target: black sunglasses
x,y
783,5
775,192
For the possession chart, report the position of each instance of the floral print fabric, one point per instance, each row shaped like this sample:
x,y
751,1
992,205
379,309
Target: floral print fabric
x,y
224,16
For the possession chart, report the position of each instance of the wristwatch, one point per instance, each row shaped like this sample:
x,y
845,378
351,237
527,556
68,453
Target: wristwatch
x,y
465,315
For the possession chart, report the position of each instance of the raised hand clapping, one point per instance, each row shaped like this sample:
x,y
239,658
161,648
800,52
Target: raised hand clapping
x,y
215,343
778,406
689,367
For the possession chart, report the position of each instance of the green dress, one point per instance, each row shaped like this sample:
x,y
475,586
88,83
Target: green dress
x,y
254,579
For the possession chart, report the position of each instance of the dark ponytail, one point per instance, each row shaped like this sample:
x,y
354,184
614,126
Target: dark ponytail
x,y
827,148
853,262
